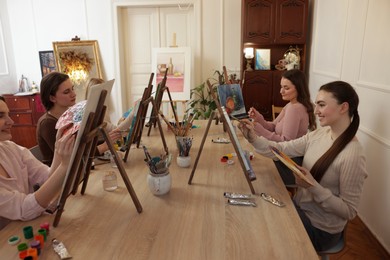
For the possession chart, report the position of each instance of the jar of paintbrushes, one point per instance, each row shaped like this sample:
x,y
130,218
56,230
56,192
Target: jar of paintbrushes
x,y
183,141
184,144
158,179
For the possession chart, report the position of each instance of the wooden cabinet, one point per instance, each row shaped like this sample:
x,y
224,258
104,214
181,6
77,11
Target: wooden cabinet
x,y
257,93
274,21
25,111
276,25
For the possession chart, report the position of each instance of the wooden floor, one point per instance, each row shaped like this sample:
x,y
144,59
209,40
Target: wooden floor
x,y
361,244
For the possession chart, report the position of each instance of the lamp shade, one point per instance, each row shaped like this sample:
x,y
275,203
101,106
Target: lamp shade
x,y
248,53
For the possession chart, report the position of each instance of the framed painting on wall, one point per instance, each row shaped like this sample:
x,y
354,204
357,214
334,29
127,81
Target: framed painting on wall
x,y
47,61
263,59
79,59
177,63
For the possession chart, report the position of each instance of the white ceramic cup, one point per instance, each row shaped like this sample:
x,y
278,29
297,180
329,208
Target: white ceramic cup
x,y
183,161
159,184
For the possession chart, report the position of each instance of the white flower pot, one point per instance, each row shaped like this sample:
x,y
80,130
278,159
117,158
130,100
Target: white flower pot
x,y
159,184
183,161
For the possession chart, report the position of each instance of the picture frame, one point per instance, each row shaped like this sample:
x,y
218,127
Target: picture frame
x,y
177,62
71,53
47,61
262,59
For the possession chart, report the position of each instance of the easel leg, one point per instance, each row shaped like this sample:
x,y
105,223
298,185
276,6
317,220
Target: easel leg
x,y
201,147
63,196
122,171
86,176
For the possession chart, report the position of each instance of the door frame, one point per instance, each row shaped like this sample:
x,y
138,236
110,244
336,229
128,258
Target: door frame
x,y
117,94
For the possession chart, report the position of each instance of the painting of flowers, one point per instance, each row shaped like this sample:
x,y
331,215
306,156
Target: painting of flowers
x,y
78,59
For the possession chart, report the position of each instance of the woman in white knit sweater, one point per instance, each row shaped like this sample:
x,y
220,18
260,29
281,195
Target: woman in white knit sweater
x,y
336,161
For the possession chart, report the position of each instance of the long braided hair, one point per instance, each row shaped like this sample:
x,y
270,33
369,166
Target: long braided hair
x,y
342,92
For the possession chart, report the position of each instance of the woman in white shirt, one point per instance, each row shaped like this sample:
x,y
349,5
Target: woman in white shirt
x,y
336,161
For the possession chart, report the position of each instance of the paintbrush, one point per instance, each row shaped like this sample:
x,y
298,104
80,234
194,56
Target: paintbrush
x,y
168,123
188,124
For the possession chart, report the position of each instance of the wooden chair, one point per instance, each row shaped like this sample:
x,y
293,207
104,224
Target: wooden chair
x,y
337,248
275,111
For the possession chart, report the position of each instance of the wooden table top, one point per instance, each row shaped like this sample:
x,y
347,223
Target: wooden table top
x,y
190,222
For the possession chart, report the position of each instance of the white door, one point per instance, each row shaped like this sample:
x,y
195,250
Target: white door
x,y
140,30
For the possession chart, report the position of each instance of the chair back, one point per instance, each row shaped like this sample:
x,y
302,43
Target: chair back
x,y
36,152
275,111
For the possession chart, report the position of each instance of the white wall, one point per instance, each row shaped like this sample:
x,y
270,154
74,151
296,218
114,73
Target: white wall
x,y
8,79
350,42
32,25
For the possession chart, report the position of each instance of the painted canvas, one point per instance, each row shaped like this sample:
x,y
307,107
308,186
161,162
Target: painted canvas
x,y
263,59
230,97
177,63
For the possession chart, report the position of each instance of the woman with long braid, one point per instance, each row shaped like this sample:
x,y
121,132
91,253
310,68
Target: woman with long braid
x,y
336,161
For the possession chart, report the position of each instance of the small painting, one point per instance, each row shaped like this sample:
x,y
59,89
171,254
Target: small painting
x,y
177,63
263,59
48,63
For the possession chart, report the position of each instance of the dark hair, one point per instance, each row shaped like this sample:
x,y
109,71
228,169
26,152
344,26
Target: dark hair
x,y
342,92
49,87
92,82
2,98
298,79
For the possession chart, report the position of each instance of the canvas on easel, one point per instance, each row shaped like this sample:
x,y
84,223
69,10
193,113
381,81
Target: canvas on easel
x,y
135,132
161,88
230,97
243,159
84,148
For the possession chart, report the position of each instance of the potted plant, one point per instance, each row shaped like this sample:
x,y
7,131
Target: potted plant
x,y
202,102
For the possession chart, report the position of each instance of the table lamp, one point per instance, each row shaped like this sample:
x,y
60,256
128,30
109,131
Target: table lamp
x,y
248,56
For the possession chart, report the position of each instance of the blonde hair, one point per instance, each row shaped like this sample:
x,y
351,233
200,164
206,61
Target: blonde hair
x,y
92,82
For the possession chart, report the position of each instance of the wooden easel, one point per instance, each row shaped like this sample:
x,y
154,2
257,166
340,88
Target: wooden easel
x,y
81,166
229,131
161,88
136,134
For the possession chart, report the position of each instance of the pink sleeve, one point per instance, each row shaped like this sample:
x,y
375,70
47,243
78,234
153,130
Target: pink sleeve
x,y
290,124
17,200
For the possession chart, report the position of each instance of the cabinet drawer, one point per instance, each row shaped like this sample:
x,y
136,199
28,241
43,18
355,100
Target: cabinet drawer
x,y
18,103
22,118
24,135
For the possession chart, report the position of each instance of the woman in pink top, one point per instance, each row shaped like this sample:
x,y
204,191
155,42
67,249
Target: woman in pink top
x,y
296,118
20,171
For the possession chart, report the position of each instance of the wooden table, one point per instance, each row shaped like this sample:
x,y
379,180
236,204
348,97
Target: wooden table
x,y
190,222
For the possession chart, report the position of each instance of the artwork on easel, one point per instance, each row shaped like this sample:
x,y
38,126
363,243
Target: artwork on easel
x,y
85,145
230,97
176,64
161,89
90,107
236,143
135,134
242,157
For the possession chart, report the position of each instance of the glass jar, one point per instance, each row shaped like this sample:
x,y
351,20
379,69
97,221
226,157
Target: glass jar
x,y
110,182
